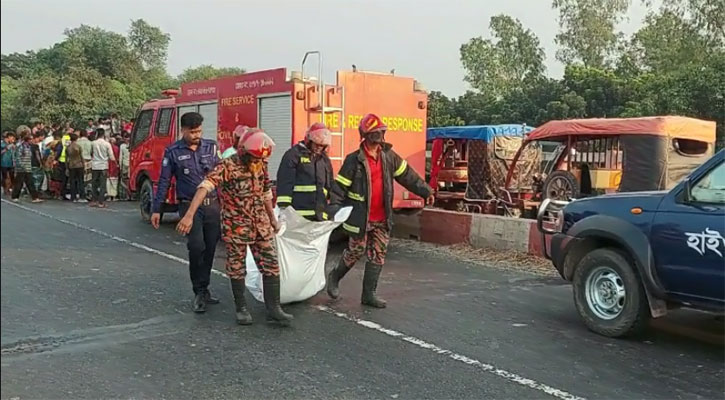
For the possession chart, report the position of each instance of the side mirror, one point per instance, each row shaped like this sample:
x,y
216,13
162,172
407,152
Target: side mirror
x,y
687,191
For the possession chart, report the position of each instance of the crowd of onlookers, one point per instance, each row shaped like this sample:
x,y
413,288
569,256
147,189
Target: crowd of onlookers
x,y
77,164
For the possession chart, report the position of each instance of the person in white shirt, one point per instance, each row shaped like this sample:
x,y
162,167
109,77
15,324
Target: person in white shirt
x,y
101,153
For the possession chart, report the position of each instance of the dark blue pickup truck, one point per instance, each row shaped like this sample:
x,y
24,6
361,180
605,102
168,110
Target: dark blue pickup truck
x,y
632,256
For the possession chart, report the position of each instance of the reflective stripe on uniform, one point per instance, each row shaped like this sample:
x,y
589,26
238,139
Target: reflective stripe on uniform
x,y
350,228
343,181
401,168
324,191
355,196
324,215
284,199
306,213
305,188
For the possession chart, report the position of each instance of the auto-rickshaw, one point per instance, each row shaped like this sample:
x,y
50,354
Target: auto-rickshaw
x,y
604,155
469,164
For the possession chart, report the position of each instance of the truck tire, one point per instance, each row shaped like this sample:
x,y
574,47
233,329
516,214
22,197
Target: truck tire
x,y
561,185
145,199
609,295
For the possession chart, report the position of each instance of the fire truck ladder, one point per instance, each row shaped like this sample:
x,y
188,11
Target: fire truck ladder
x,y
322,91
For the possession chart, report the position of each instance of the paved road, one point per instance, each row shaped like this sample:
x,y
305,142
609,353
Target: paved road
x,y
89,312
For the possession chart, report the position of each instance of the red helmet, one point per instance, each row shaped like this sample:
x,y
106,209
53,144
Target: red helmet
x,y
256,143
319,134
239,131
371,123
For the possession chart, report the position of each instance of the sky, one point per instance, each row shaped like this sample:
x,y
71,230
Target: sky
x,y
420,39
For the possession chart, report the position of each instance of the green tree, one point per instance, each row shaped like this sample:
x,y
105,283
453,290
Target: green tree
x,y
667,42
91,72
441,111
149,43
8,98
156,80
707,15
513,58
204,72
602,90
475,108
92,47
588,34
17,65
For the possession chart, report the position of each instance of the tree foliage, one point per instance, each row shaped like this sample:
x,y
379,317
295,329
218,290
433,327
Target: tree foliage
x,y
673,65
90,73
148,43
667,42
588,30
441,111
708,16
203,72
511,59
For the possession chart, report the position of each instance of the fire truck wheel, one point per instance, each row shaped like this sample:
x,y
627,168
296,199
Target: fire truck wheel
x,y
145,198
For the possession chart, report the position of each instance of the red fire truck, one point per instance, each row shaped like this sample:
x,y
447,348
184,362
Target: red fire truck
x,y
284,105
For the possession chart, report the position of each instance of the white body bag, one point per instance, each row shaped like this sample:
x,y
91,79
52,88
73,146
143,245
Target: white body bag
x,y
301,250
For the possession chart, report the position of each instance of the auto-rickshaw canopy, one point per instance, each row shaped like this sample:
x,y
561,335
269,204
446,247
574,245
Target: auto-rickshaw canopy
x,y
487,133
669,126
657,152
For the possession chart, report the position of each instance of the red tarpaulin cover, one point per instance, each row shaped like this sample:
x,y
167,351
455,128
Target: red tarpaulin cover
x,y
436,162
671,126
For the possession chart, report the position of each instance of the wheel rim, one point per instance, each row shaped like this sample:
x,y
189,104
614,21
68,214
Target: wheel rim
x,y
605,293
560,189
145,202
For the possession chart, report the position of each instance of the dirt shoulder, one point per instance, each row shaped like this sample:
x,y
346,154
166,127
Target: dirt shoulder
x,y
492,258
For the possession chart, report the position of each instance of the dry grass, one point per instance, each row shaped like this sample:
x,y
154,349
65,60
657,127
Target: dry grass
x,y
499,259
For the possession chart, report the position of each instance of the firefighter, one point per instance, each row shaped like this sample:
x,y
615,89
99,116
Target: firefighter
x,y
304,177
365,182
189,160
248,220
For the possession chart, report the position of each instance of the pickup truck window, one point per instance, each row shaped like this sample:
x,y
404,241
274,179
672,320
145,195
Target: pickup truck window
x,y
711,187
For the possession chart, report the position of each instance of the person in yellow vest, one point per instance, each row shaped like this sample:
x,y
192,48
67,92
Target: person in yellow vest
x,y
62,170
304,177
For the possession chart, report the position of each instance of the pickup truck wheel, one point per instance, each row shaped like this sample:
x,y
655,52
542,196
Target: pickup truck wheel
x,y
145,198
609,295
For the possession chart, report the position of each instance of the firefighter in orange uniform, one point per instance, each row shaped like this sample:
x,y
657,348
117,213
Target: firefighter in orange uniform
x,y
365,182
304,176
247,220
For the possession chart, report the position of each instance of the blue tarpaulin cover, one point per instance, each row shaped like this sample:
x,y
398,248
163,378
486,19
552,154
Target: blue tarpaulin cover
x,y
477,132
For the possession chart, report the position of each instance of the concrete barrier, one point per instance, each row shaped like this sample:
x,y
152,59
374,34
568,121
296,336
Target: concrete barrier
x,y
444,227
502,233
479,230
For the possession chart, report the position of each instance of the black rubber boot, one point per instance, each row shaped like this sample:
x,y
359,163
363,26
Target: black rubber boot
x,y
271,302
243,317
199,305
334,277
370,285
209,298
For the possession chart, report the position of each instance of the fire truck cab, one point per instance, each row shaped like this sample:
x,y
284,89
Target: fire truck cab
x,y
284,105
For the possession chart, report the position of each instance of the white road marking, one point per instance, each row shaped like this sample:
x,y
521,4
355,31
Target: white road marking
x,y
108,235
509,376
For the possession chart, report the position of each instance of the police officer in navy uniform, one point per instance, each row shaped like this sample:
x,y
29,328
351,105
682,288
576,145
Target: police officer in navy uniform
x,y
189,160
